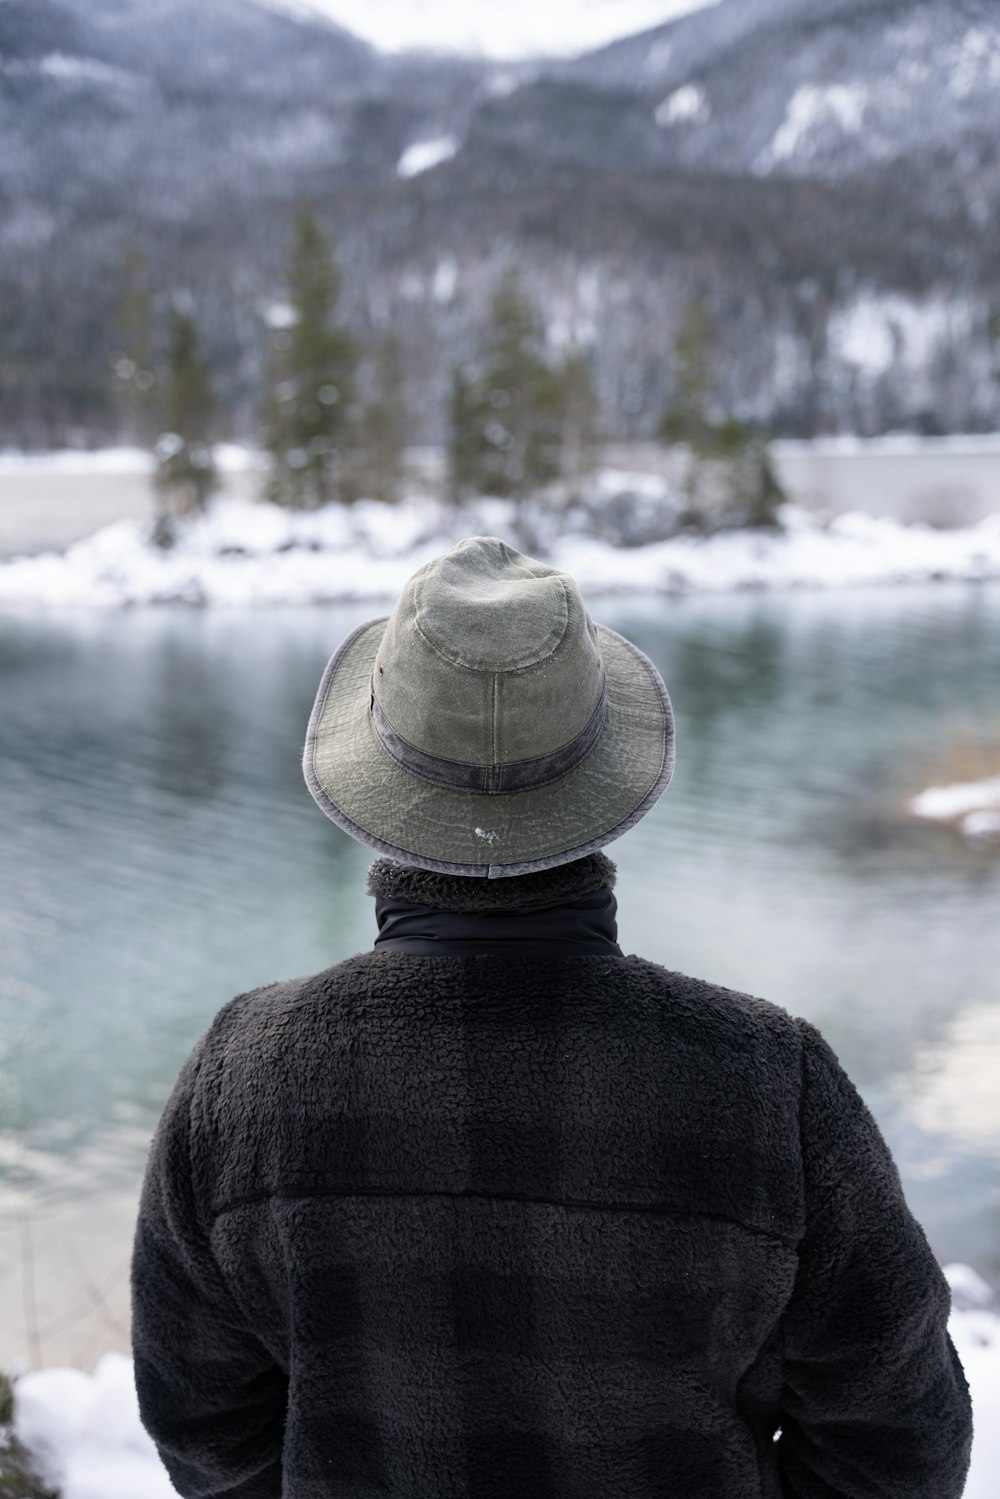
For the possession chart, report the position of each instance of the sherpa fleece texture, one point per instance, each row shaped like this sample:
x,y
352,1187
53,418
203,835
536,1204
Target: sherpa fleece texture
x,y
515,893
568,1228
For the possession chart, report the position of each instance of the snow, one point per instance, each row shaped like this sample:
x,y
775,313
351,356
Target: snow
x,y
943,803
864,336
811,106
230,457
445,280
85,1433
516,29
982,825
975,1330
975,62
876,331
972,806
685,106
245,553
504,83
422,155
76,461
298,10
61,65
280,315
968,1289
892,445
87,1437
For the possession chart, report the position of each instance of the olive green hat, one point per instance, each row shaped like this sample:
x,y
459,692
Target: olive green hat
x,y
487,726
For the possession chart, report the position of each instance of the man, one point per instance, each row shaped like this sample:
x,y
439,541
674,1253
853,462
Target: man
x,y
493,1211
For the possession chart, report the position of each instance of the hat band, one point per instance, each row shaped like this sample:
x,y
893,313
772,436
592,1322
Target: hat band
x,y
494,780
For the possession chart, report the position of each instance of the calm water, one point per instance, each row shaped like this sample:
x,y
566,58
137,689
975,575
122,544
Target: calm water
x,y
160,853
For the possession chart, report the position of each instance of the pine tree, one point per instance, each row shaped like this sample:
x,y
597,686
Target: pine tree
x,y
729,479
579,414
133,380
686,419
749,490
993,336
185,474
309,407
508,435
465,417
379,435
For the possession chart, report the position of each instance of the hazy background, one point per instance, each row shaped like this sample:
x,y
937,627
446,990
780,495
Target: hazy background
x,y
820,176
517,29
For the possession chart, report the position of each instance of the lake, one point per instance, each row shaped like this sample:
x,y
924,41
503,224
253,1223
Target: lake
x,y
161,853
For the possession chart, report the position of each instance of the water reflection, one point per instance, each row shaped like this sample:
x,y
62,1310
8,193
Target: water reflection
x,y
952,1086
162,853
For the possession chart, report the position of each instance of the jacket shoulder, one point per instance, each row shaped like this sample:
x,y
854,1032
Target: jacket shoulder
x,y
283,995
713,1004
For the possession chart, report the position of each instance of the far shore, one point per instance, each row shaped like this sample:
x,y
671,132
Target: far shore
x,y
50,500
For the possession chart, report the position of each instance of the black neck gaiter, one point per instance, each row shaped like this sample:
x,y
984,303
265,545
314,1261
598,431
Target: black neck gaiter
x,y
586,925
561,912
565,911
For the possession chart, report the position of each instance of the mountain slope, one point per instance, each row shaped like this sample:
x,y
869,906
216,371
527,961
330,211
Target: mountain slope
x,y
229,46
798,87
823,174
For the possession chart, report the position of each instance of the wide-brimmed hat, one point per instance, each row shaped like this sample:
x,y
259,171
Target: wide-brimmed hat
x,y
488,726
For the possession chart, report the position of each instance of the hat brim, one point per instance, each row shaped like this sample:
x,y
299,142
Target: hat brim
x,y
364,791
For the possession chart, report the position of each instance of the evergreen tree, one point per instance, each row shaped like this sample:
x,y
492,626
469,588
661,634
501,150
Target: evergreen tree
x,y
379,434
133,380
185,474
993,337
465,415
686,419
749,490
579,417
506,419
309,407
729,478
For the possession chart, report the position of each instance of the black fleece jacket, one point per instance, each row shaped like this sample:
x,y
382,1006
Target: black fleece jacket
x,y
532,1226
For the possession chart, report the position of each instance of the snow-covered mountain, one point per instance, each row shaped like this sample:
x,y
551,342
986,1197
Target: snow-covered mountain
x,y
810,88
822,173
189,44
818,87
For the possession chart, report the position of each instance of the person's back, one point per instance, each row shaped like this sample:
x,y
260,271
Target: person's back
x,y
496,1210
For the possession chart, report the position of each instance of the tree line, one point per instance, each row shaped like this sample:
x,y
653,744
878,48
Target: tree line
x,y
335,424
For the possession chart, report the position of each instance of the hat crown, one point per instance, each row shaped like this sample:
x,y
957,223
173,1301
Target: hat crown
x,y
489,658
486,607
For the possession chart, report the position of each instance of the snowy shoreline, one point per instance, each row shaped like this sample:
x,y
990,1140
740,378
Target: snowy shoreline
x,y
85,1434
246,553
232,457
972,807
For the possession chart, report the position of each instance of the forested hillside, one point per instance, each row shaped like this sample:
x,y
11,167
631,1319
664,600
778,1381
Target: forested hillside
x,y
823,178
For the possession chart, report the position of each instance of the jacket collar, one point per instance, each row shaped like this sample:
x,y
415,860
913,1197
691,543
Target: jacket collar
x,y
569,910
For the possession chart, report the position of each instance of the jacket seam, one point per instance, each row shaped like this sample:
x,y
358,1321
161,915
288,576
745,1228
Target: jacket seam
x,y
565,1202
832,1190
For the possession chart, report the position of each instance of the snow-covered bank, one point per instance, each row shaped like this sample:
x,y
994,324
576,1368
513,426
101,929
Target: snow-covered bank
x,y
229,458
242,553
87,1438
891,445
973,807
